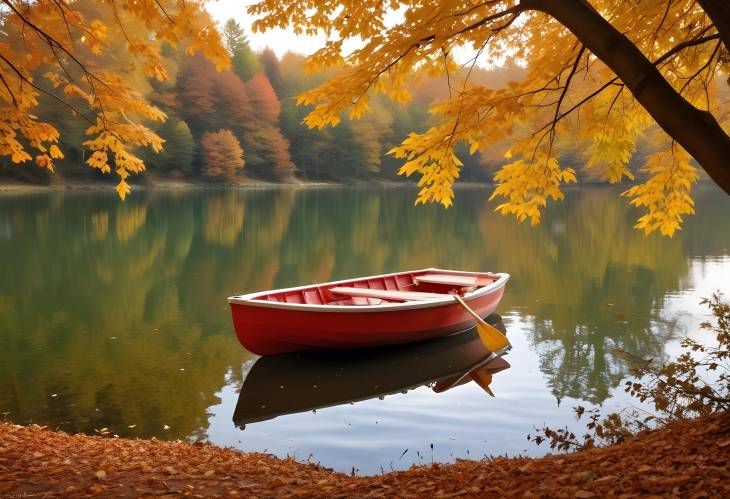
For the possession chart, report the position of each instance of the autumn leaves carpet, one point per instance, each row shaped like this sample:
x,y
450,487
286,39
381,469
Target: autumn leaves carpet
x,y
689,459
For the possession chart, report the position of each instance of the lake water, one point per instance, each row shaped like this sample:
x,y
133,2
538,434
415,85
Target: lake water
x,y
114,315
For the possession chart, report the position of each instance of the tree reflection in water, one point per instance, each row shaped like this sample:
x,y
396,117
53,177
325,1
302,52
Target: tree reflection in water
x,y
114,314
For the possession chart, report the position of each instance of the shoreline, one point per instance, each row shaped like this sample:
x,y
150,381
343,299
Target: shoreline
x,y
22,188
17,188
174,185
686,459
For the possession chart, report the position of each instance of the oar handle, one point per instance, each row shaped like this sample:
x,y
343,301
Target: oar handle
x,y
467,308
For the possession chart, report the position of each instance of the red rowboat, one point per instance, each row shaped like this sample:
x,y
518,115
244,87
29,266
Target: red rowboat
x,y
387,309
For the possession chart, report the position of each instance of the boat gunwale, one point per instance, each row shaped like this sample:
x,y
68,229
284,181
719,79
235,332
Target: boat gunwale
x,y
250,299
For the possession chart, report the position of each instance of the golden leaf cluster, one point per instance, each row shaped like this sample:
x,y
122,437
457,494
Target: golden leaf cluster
x,y
84,51
567,97
666,193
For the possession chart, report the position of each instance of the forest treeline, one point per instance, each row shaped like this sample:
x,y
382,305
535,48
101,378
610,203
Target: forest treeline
x,y
244,125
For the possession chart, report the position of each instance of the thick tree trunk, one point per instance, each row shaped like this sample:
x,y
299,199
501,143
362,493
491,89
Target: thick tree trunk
x,y
696,130
719,12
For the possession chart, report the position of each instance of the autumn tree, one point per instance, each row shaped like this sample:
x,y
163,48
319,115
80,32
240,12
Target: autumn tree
x,y
269,152
57,40
263,98
651,61
222,154
250,110
196,91
209,99
269,147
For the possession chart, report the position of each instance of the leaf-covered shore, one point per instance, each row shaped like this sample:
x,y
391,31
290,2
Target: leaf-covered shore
x,y
687,459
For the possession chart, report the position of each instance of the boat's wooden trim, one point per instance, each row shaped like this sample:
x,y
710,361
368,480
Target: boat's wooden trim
x,y
386,294
254,299
456,280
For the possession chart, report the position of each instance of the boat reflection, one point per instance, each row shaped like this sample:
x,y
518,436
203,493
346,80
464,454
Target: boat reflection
x,y
296,382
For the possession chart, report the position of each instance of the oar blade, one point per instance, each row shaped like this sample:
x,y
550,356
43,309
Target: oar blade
x,y
483,379
492,337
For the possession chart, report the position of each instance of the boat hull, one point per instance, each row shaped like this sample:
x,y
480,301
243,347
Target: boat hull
x,y
268,330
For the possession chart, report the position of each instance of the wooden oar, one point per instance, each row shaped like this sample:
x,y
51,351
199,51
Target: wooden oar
x,y
492,337
483,379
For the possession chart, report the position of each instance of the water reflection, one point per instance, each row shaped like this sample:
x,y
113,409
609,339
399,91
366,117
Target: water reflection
x,y
114,315
298,382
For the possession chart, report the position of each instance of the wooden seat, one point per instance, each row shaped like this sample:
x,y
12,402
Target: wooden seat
x,y
386,294
454,280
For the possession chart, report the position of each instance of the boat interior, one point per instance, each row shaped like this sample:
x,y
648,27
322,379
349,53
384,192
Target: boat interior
x,y
419,285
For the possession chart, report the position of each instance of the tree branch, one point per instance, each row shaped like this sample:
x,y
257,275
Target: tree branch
x,y
42,90
562,94
695,130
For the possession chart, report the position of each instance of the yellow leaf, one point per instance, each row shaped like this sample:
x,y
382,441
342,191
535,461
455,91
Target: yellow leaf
x,y
55,152
123,189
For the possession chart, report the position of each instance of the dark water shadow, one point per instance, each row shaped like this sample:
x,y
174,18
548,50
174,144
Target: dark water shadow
x,y
290,383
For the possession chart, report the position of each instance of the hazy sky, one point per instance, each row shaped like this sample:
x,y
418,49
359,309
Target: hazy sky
x,y
284,41
280,41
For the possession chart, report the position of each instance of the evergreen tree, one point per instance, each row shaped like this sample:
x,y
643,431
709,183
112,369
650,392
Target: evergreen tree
x,y
179,150
244,61
234,36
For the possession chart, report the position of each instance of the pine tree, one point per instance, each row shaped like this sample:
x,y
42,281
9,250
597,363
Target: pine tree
x,y
234,36
244,61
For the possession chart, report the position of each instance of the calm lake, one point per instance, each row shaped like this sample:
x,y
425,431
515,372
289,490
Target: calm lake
x,y
113,315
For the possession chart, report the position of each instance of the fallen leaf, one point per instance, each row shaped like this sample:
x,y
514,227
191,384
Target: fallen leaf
x,y
582,477
606,478
96,489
